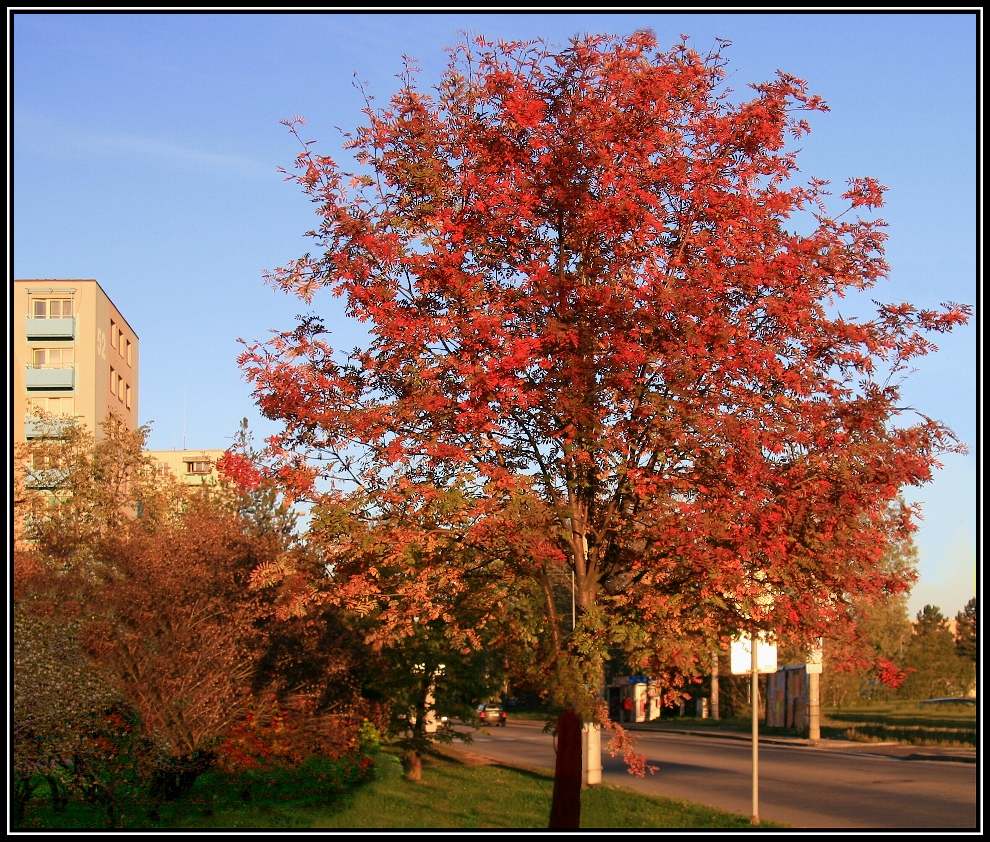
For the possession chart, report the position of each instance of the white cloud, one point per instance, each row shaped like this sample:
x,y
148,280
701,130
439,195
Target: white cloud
x,y
43,136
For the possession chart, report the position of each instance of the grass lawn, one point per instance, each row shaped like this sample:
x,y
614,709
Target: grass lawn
x,y
456,794
904,722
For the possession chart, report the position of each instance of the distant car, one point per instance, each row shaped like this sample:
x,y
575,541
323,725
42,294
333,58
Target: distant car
x,y
491,713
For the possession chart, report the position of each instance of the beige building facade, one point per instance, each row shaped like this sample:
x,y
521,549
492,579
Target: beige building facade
x,y
75,356
192,467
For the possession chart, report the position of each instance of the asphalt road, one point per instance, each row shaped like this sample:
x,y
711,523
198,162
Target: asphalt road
x,y
807,787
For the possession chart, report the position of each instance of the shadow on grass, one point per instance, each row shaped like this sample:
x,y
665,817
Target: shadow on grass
x,y
456,792
461,790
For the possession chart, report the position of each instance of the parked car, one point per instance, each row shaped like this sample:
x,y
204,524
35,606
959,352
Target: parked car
x,y
491,713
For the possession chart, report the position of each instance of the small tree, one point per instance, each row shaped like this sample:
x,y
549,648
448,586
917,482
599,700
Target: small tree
x,y
77,490
428,681
174,621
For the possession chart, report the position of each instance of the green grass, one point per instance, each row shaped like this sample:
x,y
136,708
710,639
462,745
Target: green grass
x,y
452,794
904,722
527,715
908,723
263,798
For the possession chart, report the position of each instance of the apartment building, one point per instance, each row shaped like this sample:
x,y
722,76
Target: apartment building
x,y
192,467
75,356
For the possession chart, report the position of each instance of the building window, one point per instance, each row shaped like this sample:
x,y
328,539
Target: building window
x,y
113,381
60,407
127,396
113,333
42,461
53,357
128,355
51,308
198,467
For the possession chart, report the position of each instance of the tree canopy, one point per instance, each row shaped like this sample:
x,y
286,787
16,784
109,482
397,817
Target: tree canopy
x,y
597,294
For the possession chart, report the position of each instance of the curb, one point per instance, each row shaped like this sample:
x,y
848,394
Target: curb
x,y
799,742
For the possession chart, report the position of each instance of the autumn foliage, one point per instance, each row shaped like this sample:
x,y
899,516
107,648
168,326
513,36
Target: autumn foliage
x,y
889,675
270,733
134,606
174,619
597,293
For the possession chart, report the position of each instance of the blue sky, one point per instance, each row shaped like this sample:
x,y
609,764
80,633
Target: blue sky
x,y
145,150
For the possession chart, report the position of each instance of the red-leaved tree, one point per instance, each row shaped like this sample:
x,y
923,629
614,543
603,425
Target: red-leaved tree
x,y
587,296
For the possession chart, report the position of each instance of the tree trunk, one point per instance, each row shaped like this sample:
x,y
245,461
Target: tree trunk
x,y
565,812
413,761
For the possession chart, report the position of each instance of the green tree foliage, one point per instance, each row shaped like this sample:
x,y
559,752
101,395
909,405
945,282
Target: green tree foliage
x,y
428,680
935,670
57,695
966,631
855,662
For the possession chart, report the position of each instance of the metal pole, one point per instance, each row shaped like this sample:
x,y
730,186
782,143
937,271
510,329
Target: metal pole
x,y
755,697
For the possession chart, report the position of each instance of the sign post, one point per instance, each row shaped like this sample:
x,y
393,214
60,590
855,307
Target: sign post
x,y
755,696
749,659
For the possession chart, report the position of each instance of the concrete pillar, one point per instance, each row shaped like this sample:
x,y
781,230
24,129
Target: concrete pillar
x,y
640,709
430,724
714,700
591,754
814,708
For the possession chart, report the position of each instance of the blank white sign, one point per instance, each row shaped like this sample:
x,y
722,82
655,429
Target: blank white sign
x,y
742,655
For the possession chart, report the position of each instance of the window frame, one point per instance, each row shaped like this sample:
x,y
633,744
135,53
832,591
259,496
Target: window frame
x,y
47,302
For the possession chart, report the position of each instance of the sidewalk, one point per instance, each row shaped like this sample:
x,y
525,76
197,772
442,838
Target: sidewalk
x,y
957,754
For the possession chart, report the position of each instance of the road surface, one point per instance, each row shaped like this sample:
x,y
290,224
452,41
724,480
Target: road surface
x,y
800,785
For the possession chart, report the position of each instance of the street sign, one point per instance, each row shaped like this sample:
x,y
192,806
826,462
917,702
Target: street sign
x,y
741,655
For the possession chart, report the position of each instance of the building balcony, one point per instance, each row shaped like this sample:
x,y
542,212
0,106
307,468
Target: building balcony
x,y
51,328
35,427
45,479
50,377
198,479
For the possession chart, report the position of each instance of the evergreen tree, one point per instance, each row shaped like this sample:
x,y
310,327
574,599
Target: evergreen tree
x,y
935,670
966,631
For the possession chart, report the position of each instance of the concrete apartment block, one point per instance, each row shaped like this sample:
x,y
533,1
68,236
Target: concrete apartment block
x,y
75,355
